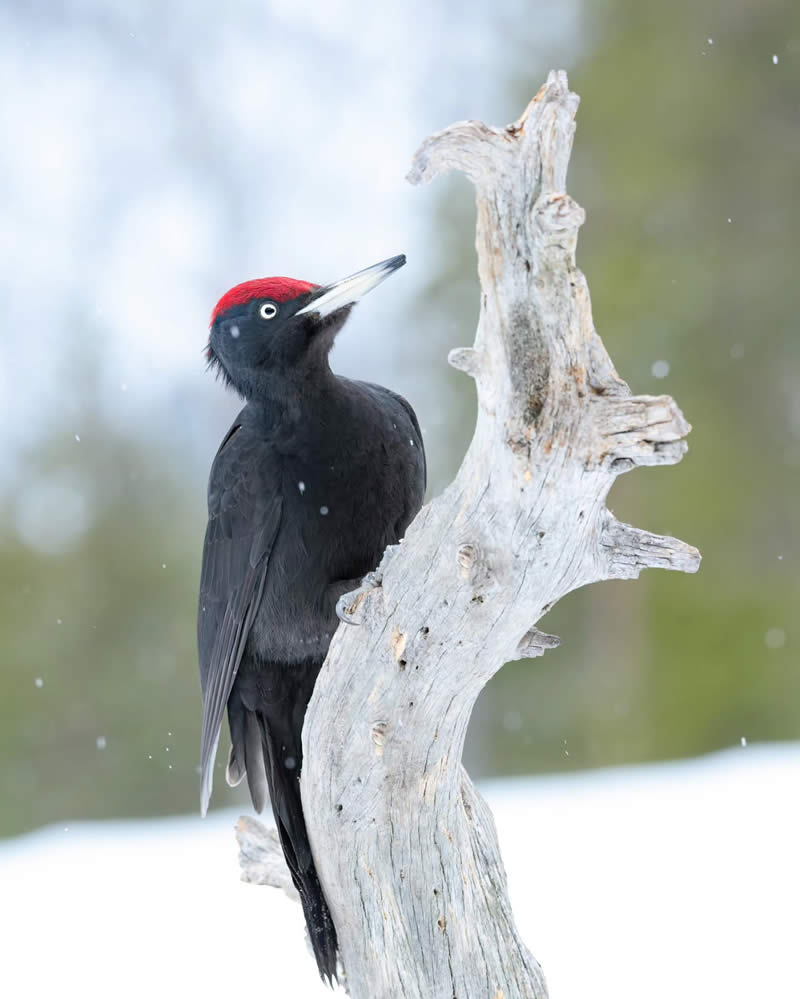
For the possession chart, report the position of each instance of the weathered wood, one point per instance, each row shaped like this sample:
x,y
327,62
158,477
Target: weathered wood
x,y
405,847
261,857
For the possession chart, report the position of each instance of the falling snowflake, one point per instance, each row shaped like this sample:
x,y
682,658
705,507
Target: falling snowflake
x,y
39,682
660,369
324,511
775,638
101,742
302,487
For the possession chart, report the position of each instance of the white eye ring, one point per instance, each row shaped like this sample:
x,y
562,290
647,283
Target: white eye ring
x,y
268,310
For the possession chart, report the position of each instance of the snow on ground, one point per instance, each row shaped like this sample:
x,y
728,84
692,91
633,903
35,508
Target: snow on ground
x,y
677,880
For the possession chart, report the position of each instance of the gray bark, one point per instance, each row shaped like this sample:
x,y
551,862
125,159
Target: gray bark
x,y
405,847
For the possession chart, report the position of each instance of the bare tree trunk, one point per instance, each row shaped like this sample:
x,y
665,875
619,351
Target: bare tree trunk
x,y
405,847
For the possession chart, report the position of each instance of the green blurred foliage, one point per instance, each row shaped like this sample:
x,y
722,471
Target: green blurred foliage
x,y
676,136
100,699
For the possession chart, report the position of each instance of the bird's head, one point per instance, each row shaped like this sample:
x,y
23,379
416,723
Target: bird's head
x,y
270,333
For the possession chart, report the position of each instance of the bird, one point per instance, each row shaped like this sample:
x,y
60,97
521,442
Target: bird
x,y
315,478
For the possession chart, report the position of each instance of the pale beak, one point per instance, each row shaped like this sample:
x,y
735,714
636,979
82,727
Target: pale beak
x,y
348,291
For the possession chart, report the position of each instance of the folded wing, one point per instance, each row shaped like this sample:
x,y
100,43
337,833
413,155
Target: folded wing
x,y
244,515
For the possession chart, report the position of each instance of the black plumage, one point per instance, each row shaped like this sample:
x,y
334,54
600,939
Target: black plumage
x,y
317,475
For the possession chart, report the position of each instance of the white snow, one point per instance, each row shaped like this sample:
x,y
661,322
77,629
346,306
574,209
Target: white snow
x,y
639,883
660,369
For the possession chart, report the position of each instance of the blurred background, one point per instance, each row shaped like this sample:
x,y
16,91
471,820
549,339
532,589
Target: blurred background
x,y
156,154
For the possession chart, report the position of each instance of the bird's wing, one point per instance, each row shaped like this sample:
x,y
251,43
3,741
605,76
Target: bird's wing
x,y
421,479
244,514
420,443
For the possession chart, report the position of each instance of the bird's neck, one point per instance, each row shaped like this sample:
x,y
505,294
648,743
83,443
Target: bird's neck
x,y
286,401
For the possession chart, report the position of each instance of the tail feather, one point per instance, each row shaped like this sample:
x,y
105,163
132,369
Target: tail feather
x,y
270,751
234,772
254,761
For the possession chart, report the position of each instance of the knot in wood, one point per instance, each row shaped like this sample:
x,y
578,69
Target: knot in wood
x,y
466,558
378,733
474,566
558,213
350,606
471,560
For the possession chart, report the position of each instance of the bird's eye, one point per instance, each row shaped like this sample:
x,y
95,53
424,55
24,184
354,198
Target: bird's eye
x,y
268,310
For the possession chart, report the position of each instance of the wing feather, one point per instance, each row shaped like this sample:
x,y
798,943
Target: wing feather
x,y
244,514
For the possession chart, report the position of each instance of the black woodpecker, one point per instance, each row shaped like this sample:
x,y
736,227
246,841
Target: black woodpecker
x,y
317,475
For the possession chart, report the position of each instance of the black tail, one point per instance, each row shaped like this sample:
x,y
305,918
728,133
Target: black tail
x,y
266,726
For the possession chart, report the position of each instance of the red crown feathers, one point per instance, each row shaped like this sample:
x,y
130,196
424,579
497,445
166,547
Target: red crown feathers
x,y
279,289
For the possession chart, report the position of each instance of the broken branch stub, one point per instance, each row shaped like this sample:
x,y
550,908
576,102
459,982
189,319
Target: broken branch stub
x,y
404,845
